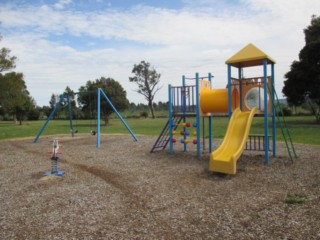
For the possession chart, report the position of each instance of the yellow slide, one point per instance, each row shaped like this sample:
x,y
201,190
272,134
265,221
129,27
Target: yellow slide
x,y
224,159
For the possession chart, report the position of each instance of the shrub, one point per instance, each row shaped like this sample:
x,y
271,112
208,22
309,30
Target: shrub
x,y
33,114
286,112
144,114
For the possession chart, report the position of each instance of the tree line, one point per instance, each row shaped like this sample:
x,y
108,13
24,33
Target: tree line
x,y
84,102
17,104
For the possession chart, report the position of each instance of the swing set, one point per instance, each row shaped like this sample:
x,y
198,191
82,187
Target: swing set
x,y
100,94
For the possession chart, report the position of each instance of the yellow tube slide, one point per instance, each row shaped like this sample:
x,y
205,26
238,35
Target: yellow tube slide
x,y
224,159
216,100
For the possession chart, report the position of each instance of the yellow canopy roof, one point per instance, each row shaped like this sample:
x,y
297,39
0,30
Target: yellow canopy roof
x,y
249,56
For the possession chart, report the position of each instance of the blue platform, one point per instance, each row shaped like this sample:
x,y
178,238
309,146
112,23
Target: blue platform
x,y
58,173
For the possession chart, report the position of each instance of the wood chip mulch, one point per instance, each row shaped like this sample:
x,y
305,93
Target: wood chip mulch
x,y
122,191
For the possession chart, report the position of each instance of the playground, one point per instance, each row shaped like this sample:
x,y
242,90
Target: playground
x,y
122,191
183,184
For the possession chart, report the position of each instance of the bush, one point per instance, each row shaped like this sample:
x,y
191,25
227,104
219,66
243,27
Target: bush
x,y
286,112
144,114
33,114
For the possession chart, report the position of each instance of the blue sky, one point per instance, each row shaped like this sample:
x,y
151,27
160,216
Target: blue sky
x,y
63,43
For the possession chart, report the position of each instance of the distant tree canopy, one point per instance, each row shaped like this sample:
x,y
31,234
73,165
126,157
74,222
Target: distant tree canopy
x,y
303,80
7,62
62,110
87,97
14,96
147,80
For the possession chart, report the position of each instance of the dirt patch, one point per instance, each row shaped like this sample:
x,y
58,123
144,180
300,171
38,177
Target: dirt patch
x,y
121,191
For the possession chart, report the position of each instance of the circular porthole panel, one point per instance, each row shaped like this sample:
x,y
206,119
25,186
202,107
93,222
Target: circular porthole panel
x,y
255,98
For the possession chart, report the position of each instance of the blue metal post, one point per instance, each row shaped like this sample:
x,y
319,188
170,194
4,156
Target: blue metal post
x,y
210,77
98,117
198,115
70,115
274,132
240,86
184,103
49,118
266,130
170,119
118,114
229,91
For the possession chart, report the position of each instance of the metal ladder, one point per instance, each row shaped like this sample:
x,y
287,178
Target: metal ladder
x,y
164,136
283,125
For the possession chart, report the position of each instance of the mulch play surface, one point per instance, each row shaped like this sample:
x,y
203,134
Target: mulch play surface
x,y
122,191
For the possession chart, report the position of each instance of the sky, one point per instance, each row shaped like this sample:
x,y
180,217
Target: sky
x,y
62,43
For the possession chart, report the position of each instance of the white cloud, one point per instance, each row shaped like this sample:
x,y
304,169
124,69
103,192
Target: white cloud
x,y
176,42
62,3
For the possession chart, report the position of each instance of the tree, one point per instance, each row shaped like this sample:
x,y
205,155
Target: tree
x,y
303,80
71,95
76,113
7,62
28,110
87,97
147,80
45,111
34,112
52,103
63,110
14,96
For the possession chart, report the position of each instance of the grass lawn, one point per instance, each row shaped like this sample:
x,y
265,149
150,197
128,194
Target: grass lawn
x,y
302,129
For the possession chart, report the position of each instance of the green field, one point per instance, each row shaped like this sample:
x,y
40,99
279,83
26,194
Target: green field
x,y
302,129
